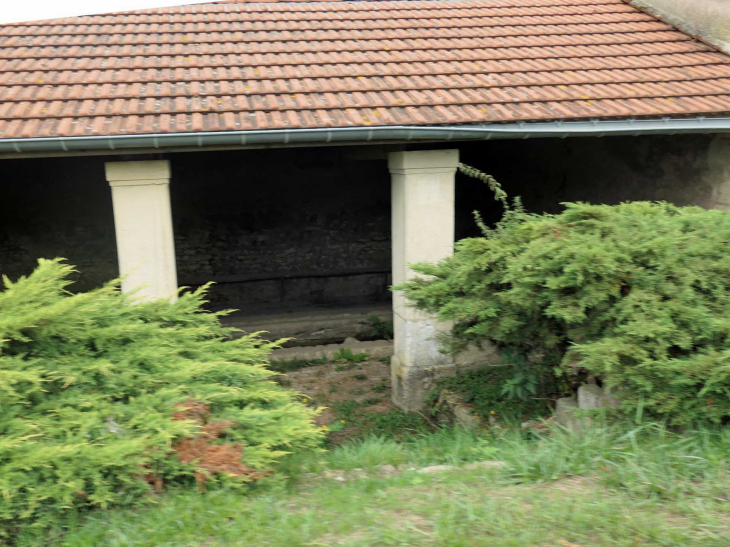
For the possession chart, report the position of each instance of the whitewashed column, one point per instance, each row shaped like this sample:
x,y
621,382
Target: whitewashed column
x,y
143,223
423,231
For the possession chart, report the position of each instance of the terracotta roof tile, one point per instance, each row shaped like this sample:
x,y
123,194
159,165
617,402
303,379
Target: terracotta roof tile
x,y
229,66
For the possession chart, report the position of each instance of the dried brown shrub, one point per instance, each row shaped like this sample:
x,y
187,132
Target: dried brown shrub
x,y
155,480
201,450
191,410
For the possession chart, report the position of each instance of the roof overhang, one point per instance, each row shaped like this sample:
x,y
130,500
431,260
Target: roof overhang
x,y
282,138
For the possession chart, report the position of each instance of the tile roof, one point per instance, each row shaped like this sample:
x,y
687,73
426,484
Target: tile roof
x,y
266,65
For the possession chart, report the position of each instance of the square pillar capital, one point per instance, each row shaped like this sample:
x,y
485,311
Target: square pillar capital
x,y
137,173
423,162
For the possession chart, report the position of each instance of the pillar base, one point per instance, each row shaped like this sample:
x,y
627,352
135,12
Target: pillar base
x,y
412,384
412,381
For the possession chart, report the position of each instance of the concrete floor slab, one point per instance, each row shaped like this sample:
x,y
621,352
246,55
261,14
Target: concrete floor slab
x,y
313,326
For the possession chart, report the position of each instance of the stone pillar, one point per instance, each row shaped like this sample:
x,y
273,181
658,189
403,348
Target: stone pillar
x,y
423,231
143,224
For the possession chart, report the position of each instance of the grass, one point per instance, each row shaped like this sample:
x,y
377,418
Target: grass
x,y
395,424
613,486
345,355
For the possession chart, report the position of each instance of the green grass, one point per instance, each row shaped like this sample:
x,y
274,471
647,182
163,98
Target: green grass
x,y
396,424
345,355
613,486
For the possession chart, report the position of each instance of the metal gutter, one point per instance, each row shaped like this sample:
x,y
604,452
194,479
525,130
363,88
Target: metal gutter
x,y
362,135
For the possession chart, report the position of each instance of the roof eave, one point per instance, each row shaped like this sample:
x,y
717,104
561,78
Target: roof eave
x,y
280,138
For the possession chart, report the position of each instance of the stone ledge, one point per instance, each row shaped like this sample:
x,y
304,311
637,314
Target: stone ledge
x,y
377,349
312,327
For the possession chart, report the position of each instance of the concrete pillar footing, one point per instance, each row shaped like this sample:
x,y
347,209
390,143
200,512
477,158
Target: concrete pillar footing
x,y
412,384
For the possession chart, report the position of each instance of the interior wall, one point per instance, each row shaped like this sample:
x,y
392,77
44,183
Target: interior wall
x,y
312,224
274,228
681,169
53,208
295,228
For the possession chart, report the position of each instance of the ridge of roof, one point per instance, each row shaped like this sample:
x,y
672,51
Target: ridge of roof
x,y
247,66
274,5
183,4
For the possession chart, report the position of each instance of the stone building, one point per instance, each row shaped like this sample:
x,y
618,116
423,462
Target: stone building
x,y
302,154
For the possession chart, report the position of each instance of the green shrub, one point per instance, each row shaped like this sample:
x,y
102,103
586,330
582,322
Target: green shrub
x,y
99,399
376,329
637,294
484,389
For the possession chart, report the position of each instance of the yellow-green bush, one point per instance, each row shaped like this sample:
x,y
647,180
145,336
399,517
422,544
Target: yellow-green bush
x,y
637,293
89,385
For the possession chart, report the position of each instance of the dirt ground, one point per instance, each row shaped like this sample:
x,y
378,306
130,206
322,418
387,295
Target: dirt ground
x,y
330,385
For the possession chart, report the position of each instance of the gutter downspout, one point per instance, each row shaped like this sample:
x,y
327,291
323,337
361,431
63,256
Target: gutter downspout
x,y
360,135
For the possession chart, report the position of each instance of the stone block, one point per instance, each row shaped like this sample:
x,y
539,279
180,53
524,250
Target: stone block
x,y
358,473
487,464
431,469
335,475
565,414
351,343
387,470
454,411
474,357
592,396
